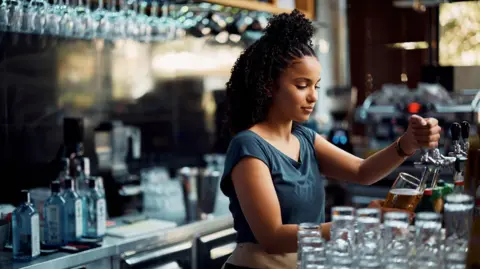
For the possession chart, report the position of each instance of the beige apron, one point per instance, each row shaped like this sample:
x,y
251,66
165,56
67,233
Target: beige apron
x,y
253,256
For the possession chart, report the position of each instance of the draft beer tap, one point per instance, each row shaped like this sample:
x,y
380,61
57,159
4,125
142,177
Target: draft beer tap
x,y
460,148
465,127
432,162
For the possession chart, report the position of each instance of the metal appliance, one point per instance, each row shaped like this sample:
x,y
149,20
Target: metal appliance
x,y
200,187
385,112
117,147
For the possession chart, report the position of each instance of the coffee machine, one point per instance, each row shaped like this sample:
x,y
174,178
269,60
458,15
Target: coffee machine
x,y
117,147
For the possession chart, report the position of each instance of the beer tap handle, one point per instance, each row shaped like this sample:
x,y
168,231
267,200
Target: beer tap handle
x,y
455,130
465,128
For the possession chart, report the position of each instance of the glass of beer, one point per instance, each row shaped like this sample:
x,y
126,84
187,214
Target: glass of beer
x,y
406,193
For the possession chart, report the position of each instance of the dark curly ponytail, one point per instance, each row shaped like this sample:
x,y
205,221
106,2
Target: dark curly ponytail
x,y
249,90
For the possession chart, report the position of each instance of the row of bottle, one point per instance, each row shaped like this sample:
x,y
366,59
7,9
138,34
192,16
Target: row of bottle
x,y
67,218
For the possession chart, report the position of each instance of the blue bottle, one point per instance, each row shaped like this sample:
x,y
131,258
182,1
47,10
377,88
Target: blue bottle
x,y
25,230
55,218
74,212
96,211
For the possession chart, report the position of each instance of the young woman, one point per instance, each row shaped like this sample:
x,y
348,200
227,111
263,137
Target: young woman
x,y
274,166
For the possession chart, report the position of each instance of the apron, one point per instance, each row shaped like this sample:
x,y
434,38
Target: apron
x,y
251,255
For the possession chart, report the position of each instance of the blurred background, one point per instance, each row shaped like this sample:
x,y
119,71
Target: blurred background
x,y
139,85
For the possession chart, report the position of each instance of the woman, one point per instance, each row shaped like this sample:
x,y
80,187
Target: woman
x,y
274,166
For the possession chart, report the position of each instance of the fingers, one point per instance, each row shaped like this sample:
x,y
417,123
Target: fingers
x,y
422,131
426,131
417,120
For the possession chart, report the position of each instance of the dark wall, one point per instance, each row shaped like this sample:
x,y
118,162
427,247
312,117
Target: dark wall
x,y
372,25
43,80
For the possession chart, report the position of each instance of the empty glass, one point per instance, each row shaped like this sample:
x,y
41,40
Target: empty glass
x,y
369,245
458,211
305,230
342,237
313,252
428,227
396,236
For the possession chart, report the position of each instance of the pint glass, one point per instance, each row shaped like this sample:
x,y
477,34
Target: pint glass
x,y
406,193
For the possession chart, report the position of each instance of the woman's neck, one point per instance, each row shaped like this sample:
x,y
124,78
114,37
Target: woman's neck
x,y
277,129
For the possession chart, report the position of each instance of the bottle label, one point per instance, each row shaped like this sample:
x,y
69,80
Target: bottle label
x,y
78,218
101,217
35,222
53,234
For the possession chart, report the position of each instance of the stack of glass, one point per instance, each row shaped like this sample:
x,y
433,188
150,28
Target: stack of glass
x,y
359,239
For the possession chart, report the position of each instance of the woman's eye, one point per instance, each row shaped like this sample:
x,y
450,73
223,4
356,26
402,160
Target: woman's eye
x,y
317,87
301,87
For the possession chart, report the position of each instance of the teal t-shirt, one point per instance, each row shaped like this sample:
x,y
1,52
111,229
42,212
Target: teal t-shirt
x,y
299,184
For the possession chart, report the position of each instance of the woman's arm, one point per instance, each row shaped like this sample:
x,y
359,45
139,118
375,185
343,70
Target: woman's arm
x,y
339,164
259,203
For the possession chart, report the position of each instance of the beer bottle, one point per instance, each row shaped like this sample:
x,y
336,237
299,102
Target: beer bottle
x,y
472,156
473,256
437,199
426,204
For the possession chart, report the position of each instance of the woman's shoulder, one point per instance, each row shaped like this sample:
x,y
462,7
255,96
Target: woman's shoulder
x,y
246,140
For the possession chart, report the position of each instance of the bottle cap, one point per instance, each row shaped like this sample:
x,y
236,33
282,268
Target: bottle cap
x,y
92,183
69,183
459,183
55,187
428,192
25,196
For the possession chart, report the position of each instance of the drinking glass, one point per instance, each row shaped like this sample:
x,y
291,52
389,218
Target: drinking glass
x,y
305,230
406,193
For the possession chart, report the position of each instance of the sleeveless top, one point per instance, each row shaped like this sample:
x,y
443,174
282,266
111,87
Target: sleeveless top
x,y
299,184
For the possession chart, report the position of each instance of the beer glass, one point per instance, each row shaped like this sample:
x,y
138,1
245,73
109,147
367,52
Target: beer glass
x,y
406,193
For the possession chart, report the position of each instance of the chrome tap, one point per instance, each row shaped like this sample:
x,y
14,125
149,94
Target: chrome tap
x,y
460,134
465,135
432,162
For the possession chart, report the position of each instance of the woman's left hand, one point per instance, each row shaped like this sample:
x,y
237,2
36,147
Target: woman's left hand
x,y
380,204
421,133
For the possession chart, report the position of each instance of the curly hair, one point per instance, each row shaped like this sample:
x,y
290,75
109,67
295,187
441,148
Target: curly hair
x,y
249,90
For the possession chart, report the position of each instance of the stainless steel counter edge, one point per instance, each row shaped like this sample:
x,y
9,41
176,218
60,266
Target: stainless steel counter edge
x,y
116,246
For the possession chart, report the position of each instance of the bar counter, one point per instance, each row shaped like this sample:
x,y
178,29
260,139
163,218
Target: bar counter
x,y
108,255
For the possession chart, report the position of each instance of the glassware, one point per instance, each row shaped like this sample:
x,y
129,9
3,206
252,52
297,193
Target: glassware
x,y
369,244
428,227
313,251
305,230
458,212
406,192
342,237
396,240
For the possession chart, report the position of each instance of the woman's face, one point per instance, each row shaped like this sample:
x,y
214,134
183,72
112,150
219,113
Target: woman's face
x,y
296,92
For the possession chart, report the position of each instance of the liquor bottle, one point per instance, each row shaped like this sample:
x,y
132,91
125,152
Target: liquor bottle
x,y
55,218
426,203
74,212
25,230
79,164
95,205
63,174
